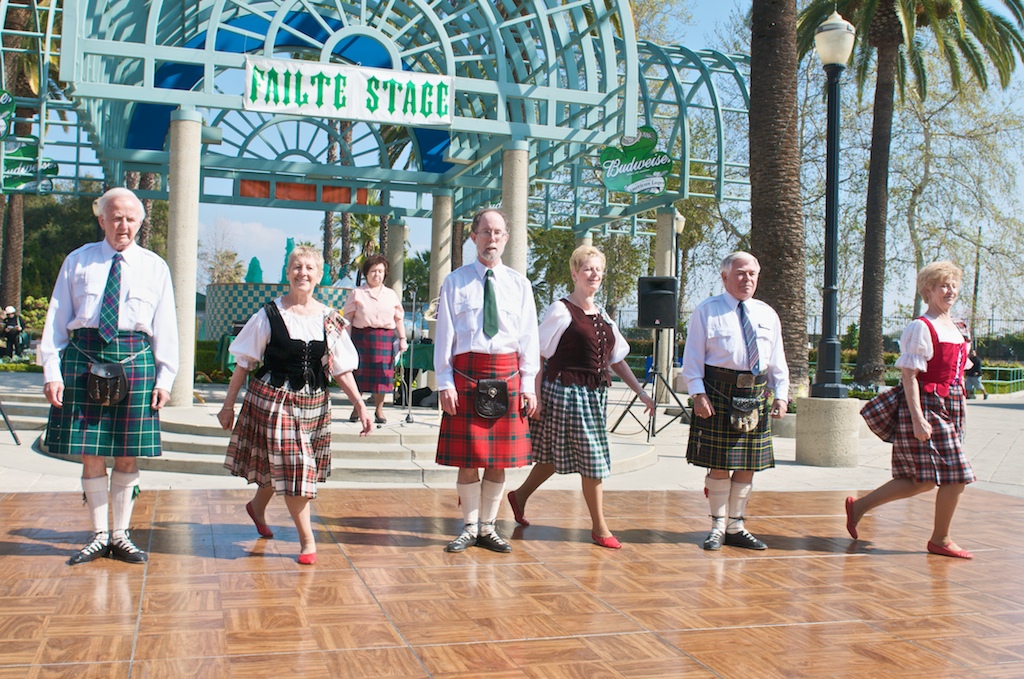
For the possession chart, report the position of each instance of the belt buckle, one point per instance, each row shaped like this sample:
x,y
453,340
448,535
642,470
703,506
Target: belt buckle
x,y
745,380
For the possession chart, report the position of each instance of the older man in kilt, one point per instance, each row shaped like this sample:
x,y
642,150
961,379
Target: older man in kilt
x,y
733,360
112,303
475,342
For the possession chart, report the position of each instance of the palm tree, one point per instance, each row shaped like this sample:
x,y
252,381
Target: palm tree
x,y
776,217
966,31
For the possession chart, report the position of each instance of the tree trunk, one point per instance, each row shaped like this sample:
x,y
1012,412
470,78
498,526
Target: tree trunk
x,y
458,241
147,182
332,158
885,36
776,220
17,19
382,235
345,256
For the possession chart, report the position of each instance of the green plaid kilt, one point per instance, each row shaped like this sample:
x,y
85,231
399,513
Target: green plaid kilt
x,y
130,428
715,445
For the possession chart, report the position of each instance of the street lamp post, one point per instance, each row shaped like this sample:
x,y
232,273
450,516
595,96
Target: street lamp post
x,y
833,41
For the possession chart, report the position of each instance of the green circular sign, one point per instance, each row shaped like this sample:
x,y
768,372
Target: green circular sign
x,y
6,113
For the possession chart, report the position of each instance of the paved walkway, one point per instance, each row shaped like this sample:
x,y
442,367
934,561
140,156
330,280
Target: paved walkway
x,y
995,445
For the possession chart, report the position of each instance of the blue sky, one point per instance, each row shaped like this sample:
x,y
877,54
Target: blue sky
x,y
262,232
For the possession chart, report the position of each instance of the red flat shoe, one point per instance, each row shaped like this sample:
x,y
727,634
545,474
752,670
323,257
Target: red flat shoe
x,y
517,511
262,528
944,551
851,527
307,559
611,542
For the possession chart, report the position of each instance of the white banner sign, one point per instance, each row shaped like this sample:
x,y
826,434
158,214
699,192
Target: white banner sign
x,y
318,90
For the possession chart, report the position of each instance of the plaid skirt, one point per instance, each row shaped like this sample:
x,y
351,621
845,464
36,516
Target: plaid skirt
x,y
282,439
715,445
130,428
572,431
940,459
470,441
376,349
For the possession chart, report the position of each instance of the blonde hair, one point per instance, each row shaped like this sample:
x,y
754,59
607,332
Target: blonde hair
x,y
307,252
938,272
582,254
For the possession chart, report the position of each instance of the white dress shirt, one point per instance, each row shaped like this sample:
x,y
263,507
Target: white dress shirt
x,y
556,321
460,312
147,305
252,340
715,337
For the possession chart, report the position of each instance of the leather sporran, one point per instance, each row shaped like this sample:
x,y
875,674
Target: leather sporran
x,y
107,383
744,413
490,398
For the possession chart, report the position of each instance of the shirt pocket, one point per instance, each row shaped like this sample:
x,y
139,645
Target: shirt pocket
x,y
720,334
467,306
87,292
141,305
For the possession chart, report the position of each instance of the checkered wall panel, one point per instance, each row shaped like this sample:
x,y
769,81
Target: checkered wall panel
x,y
229,303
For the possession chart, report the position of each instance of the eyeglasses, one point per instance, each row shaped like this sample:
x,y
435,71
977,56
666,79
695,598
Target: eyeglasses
x,y
494,235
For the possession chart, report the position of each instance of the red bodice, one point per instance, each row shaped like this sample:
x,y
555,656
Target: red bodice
x,y
946,366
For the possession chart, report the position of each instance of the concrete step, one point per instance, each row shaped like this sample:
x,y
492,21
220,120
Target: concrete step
x,y
399,452
625,458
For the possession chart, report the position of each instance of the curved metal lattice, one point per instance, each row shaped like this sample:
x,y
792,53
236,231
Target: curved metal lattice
x,y
565,78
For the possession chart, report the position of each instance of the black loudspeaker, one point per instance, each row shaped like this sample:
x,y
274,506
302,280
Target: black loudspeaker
x,y
657,302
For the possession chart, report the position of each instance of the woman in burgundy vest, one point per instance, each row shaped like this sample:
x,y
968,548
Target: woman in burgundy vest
x,y
927,446
578,343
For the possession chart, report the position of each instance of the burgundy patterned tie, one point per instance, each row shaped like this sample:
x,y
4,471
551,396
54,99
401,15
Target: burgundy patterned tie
x,y
110,311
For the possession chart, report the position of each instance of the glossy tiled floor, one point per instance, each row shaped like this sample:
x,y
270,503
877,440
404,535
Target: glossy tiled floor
x,y
384,600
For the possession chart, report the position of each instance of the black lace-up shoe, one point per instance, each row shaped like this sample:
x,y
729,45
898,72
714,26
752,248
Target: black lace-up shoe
x,y
97,548
461,543
123,549
713,542
745,540
490,540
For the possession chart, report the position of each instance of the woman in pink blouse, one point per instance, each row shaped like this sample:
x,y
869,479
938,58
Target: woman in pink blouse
x,y
376,315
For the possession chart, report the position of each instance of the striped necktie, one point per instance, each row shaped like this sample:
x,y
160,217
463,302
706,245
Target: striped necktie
x,y
750,339
110,310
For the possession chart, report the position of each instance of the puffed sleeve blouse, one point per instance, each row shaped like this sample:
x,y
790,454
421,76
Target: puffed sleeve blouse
x,y
251,342
916,344
554,323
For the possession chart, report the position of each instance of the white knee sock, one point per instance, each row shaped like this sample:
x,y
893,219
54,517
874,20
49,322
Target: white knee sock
x,y
491,494
469,499
122,487
738,496
97,498
717,492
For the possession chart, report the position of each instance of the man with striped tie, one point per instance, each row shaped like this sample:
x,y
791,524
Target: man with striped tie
x,y
112,305
735,370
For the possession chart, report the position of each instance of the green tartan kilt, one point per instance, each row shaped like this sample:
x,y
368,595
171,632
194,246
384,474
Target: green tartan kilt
x,y
715,445
130,428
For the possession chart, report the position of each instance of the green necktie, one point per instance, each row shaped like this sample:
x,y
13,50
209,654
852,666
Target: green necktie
x,y
490,306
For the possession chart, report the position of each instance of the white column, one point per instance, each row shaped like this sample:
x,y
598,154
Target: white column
x,y
664,265
183,241
440,256
515,164
396,254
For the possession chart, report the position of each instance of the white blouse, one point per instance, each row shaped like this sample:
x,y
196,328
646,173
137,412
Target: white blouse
x,y
250,344
555,322
916,344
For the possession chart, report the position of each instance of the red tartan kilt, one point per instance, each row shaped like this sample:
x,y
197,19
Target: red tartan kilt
x,y
467,440
940,459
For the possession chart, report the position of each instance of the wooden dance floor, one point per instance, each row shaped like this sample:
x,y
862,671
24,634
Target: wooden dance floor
x,y
384,600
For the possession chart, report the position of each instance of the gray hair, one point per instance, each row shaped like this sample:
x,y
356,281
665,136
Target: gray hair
x,y
732,257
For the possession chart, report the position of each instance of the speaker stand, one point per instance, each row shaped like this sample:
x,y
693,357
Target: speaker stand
x,y
652,378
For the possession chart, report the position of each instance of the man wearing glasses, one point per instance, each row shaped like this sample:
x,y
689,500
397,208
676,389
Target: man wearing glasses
x,y
486,357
